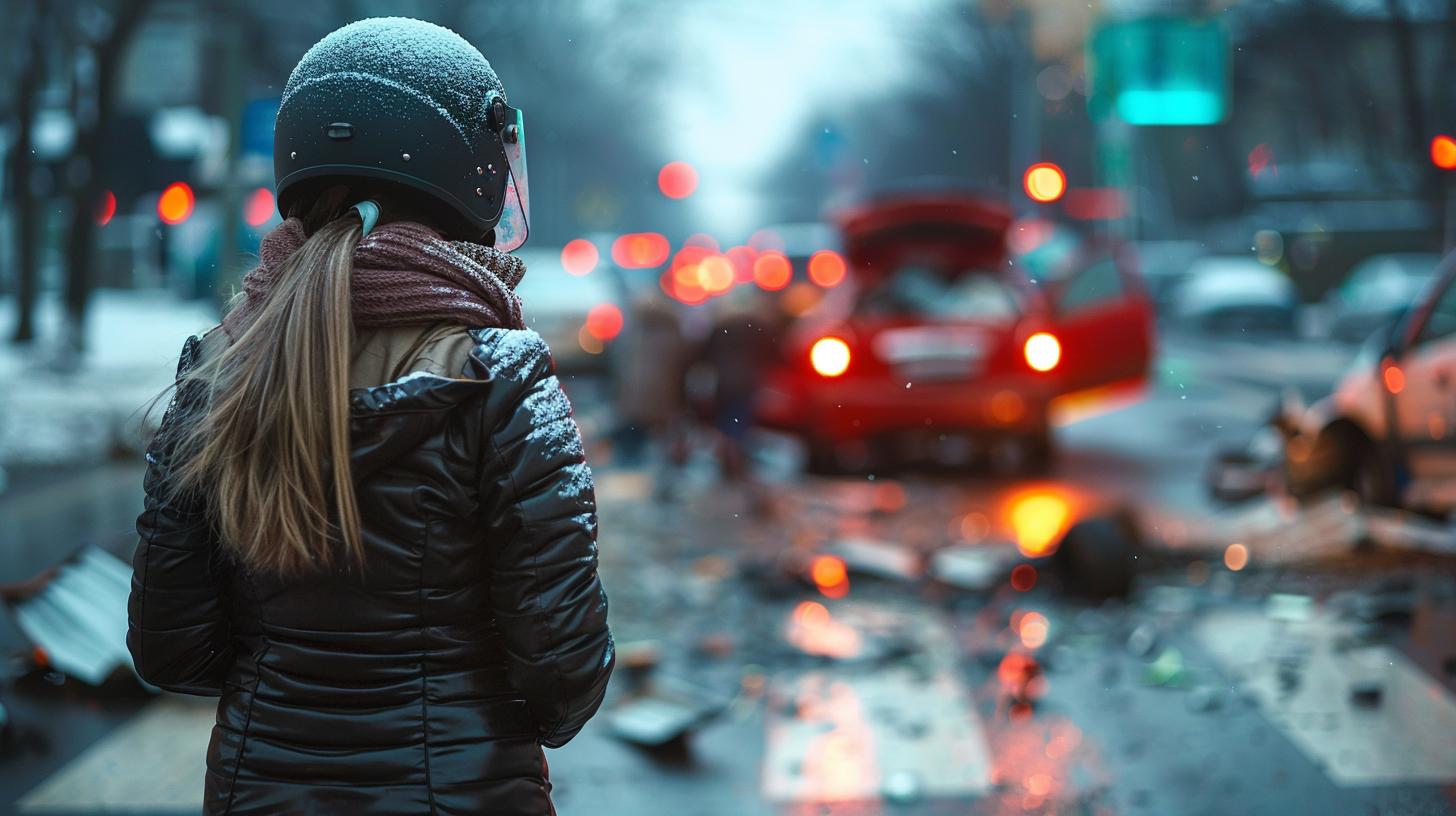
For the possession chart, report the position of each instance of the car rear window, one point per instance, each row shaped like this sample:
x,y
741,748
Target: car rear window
x,y
923,291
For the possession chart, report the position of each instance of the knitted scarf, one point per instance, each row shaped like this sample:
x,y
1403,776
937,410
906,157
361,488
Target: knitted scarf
x,y
404,274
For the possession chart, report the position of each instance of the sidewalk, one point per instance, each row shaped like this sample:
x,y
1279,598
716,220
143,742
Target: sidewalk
x,y
57,415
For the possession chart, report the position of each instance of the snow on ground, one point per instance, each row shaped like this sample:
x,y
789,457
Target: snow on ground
x,y
55,412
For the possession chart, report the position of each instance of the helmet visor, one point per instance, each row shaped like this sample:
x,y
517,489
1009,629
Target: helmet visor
x,y
515,220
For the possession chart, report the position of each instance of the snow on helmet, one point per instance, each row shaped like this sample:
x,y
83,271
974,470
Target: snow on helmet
x,y
411,105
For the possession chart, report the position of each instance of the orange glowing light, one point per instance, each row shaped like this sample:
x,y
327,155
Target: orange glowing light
x,y
604,321
1044,182
589,343
1023,577
771,271
1007,407
640,250
1394,379
1038,517
826,268
1236,557
1443,152
175,204
715,274
814,631
800,297
677,179
1043,351
830,575
259,208
105,208
1033,630
579,257
830,356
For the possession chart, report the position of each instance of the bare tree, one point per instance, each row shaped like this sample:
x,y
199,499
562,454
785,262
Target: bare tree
x,y
27,65
98,61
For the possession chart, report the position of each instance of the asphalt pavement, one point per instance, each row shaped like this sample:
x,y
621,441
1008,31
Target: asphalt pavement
x,y
1267,689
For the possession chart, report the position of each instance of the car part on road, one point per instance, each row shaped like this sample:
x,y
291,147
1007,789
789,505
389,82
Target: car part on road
x,y
1098,556
664,715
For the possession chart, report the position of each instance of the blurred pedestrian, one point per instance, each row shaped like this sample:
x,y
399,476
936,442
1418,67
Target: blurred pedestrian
x,y
651,363
369,526
737,351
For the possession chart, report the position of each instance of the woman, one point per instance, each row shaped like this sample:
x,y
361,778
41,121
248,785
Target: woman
x,y
369,527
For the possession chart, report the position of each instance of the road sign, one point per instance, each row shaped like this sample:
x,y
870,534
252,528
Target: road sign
x,y
1160,71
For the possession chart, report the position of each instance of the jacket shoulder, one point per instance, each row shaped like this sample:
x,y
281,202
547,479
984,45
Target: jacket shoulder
x,y
510,355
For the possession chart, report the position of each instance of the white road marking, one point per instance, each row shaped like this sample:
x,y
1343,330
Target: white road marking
x,y
1405,739
864,732
154,763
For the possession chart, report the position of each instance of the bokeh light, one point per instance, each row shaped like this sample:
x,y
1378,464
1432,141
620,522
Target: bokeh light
x,y
1236,557
259,208
640,250
677,179
579,256
1044,182
1043,351
1443,152
175,204
830,356
604,321
106,208
826,268
771,271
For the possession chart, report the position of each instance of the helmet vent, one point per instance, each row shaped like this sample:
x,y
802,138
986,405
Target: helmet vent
x,y
341,131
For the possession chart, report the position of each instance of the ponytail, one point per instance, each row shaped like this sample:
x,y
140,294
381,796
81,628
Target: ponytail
x,y
271,449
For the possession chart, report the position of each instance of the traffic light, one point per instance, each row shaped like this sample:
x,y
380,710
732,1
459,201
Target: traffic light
x,y
175,204
1443,151
1044,182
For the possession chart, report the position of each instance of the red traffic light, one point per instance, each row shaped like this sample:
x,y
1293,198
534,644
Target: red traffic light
x,y
105,208
1443,152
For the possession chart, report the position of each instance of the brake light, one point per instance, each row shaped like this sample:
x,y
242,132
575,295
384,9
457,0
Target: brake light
x,y
1043,351
829,356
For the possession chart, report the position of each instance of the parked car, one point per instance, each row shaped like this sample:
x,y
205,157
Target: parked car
x,y
1164,266
1377,290
1235,295
935,347
1388,432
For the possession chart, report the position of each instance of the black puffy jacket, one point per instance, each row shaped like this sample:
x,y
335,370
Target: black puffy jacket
x,y
476,634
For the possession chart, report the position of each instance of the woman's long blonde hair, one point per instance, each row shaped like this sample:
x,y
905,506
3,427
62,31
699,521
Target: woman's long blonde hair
x,y
270,448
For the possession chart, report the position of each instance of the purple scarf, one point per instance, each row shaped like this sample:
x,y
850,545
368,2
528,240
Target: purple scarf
x,y
404,274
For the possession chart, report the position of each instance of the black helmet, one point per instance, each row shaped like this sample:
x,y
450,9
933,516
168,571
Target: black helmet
x,y
411,106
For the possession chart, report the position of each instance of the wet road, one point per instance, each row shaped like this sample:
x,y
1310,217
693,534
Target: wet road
x,y
888,696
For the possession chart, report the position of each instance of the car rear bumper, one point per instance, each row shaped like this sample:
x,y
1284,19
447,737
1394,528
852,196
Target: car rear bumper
x,y
842,410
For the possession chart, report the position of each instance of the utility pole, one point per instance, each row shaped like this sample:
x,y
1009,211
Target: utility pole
x,y
229,21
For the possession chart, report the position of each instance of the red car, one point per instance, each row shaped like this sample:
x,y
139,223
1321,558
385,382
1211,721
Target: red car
x,y
939,346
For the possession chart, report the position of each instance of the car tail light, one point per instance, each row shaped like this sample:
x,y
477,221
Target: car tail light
x,y
829,356
1043,351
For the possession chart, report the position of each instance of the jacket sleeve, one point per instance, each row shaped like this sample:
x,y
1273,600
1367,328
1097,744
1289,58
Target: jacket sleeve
x,y
177,629
540,508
